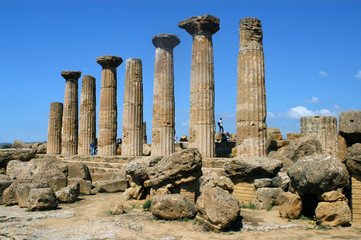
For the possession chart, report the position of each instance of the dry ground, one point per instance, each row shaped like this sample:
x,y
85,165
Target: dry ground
x,y
90,218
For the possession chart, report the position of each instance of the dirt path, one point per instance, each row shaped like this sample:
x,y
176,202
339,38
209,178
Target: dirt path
x,y
89,218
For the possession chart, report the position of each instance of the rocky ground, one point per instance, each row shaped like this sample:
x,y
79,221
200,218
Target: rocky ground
x,y
90,218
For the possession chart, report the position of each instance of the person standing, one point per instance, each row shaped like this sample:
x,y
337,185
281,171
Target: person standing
x,y
220,125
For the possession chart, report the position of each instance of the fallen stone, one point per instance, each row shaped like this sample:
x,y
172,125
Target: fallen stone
x,y
217,208
350,126
111,185
177,166
118,209
57,182
172,206
301,147
317,174
4,184
18,192
267,197
353,159
85,185
137,169
68,194
252,168
332,196
20,144
147,149
42,199
290,205
7,155
79,170
333,213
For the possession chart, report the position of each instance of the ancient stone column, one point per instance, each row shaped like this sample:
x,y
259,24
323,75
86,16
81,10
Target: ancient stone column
x,y
201,121
251,91
325,129
87,115
53,145
145,133
163,95
132,144
69,144
107,134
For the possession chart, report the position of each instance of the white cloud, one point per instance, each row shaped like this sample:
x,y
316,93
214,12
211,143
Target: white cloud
x,y
358,74
301,111
270,115
313,100
186,123
323,73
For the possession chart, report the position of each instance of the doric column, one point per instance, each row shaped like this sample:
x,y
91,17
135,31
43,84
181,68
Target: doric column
x,y
163,95
53,145
251,91
325,129
201,121
132,144
107,134
69,144
87,115
145,133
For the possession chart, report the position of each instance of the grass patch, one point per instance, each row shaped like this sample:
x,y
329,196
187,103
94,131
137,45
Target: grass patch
x,y
269,208
302,217
110,212
147,205
249,206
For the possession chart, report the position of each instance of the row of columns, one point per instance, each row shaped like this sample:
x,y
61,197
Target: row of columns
x,y
251,102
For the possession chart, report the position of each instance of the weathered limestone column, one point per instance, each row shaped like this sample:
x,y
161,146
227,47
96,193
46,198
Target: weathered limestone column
x,y
107,135
251,91
53,145
132,144
201,121
87,115
163,95
325,129
145,133
69,144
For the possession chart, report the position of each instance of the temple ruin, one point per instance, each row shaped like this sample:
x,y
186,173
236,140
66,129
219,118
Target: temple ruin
x,y
54,128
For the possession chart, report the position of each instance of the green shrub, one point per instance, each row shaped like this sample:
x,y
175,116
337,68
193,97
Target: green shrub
x,y
146,205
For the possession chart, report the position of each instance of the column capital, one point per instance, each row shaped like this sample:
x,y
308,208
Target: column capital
x,y
253,28
200,25
169,41
71,75
108,61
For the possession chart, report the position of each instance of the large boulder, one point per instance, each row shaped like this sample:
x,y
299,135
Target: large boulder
x,y
119,185
42,199
353,159
212,179
332,196
350,126
290,205
317,174
79,170
18,192
137,169
252,168
266,197
282,180
68,194
175,169
172,206
36,169
9,154
333,213
85,186
218,209
39,147
20,144
301,147
4,184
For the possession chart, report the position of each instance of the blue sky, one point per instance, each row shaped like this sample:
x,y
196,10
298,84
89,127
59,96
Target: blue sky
x,y
312,56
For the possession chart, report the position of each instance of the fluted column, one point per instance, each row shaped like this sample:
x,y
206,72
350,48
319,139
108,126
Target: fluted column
x,y
251,91
201,120
132,144
87,115
325,129
145,133
107,134
163,95
69,144
53,145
